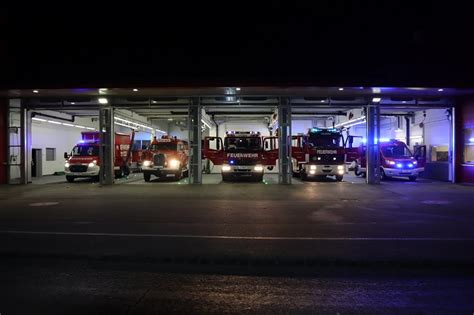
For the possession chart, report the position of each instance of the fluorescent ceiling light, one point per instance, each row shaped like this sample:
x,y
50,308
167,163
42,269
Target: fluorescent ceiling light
x,y
72,103
54,122
38,119
440,90
170,119
158,130
376,99
103,91
124,125
103,100
355,124
135,90
237,89
35,91
79,126
66,124
341,89
208,126
376,90
350,121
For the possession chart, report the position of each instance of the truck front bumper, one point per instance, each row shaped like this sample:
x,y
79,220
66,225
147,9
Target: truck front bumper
x,y
241,170
160,171
90,171
402,172
321,170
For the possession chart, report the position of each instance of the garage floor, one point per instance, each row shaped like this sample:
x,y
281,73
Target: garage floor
x,y
137,179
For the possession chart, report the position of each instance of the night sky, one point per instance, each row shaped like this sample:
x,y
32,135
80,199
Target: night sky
x,y
330,43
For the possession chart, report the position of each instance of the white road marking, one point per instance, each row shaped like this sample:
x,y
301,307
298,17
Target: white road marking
x,y
230,237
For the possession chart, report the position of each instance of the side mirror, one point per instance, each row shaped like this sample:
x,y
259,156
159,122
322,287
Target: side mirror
x,y
66,156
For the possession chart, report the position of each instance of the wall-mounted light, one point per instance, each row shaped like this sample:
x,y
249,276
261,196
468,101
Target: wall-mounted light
x,y
440,90
341,89
135,90
237,89
35,91
103,90
376,100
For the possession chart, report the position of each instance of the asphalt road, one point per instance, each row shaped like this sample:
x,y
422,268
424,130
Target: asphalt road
x,y
238,247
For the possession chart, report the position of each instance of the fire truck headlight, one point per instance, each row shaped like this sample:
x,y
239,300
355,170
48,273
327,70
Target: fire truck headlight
x,y
146,163
312,167
415,163
66,165
312,172
390,162
173,163
340,167
92,164
225,168
340,172
258,168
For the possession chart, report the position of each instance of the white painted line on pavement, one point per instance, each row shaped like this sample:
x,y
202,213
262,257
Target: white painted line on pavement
x,y
225,237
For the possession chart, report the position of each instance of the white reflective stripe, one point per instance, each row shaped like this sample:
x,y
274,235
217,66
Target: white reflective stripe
x,y
269,238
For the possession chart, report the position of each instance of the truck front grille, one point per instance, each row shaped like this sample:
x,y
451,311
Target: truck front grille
x,y
78,168
159,159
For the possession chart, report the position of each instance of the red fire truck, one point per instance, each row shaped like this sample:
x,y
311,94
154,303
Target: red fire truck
x,y
166,157
396,159
319,153
241,154
84,159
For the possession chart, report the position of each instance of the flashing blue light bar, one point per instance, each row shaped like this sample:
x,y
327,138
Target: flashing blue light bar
x,y
471,140
231,161
399,165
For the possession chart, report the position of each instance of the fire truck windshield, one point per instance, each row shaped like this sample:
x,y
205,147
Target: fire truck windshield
x,y
242,144
85,150
169,146
324,141
396,151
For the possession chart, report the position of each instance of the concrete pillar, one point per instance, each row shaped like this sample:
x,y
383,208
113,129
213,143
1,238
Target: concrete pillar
x,y
452,146
373,148
284,141
106,152
26,145
3,140
195,136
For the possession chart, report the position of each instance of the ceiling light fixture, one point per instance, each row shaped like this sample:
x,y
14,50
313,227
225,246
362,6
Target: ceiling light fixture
x,y
35,91
376,100
103,100
341,89
103,90
135,90
440,90
237,89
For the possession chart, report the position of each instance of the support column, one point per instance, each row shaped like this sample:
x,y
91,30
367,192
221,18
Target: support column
x,y
106,152
26,146
195,137
373,147
284,141
452,145
3,140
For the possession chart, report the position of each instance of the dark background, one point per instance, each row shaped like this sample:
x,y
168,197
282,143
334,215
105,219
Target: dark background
x,y
325,43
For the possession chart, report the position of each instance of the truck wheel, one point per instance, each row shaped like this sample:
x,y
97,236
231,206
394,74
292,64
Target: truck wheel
x,y
412,178
383,175
178,175
357,172
119,174
70,179
339,178
126,170
146,176
258,178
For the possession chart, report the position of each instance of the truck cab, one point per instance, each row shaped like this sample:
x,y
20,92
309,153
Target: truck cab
x,y
241,154
319,153
166,157
396,159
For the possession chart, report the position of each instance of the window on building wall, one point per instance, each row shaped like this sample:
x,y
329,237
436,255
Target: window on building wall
x,y
50,154
469,146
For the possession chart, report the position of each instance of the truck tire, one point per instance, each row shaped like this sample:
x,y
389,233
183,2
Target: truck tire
x,y
146,176
357,172
70,179
339,178
119,173
412,178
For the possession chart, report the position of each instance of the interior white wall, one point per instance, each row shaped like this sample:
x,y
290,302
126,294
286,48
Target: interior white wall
x,y
62,138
